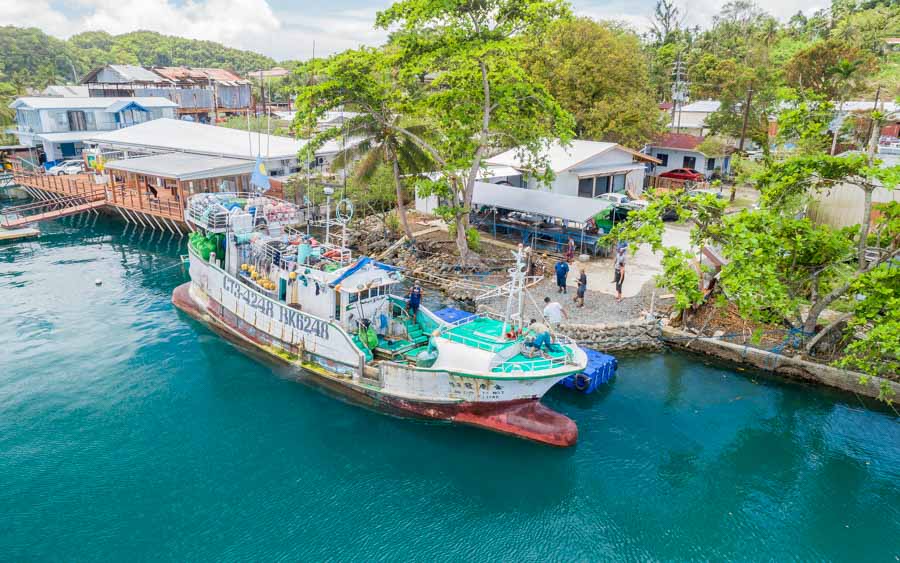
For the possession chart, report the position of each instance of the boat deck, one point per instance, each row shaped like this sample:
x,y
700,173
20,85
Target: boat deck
x,y
483,333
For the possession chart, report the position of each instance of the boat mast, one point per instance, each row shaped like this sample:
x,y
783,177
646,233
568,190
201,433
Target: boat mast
x,y
516,297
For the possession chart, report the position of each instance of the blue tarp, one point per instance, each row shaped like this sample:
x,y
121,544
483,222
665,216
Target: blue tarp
x,y
451,315
360,264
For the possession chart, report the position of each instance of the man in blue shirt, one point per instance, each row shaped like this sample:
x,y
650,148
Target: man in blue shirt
x,y
415,299
562,270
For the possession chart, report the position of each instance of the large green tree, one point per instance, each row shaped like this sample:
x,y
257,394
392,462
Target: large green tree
x,y
599,74
816,68
362,81
478,98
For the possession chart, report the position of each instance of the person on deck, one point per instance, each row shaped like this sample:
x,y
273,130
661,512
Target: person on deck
x,y
619,270
562,271
582,288
414,299
541,334
554,312
570,250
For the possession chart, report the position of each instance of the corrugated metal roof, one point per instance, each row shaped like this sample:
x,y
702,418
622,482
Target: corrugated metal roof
x,y
183,166
681,141
558,157
539,202
134,73
66,91
177,135
702,106
88,103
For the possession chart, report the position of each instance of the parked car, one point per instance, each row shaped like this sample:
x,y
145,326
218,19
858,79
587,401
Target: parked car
x,y
614,197
67,167
623,200
688,174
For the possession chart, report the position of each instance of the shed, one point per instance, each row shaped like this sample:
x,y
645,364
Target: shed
x,y
539,202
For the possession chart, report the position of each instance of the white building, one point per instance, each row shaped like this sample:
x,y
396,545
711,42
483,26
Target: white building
x,y
585,169
60,125
172,135
679,150
691,118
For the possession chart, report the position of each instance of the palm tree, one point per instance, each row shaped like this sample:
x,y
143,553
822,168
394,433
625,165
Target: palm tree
x,y
376,139
845,73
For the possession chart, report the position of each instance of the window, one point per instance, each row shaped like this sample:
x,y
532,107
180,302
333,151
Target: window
x,y
689,162
619,183
663,157
77,121
710,164
586,187
602,186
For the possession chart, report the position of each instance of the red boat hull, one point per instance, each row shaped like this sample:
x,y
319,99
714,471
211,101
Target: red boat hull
x,y
527,418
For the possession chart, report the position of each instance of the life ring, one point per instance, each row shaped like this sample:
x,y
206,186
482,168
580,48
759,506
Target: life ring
x,y
582,381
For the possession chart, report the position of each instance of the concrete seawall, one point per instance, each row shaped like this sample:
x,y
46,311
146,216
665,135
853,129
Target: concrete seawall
x,y
653,335
791,367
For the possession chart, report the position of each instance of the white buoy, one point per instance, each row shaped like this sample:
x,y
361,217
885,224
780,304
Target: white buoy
x,y
98,281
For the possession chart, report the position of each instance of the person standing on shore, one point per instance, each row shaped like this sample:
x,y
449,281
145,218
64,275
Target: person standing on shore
x,y
582,288
554,312
562,271
570,250
619,267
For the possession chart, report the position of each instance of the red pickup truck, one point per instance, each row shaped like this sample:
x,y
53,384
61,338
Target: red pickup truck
x,y
688,174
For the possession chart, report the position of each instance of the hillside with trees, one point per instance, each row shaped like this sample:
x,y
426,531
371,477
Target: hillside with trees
x,y
31,58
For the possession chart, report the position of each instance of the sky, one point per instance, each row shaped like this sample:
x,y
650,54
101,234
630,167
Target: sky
x,y
287,29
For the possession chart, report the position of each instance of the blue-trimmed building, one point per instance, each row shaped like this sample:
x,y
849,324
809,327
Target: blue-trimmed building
x,y
58,126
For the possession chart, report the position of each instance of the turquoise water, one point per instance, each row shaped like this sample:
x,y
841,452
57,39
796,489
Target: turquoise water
x,y
128,430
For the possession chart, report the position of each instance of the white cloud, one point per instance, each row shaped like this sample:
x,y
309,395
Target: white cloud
x,y
254,24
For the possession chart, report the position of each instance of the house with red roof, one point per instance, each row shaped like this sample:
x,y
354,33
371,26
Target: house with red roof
x,y
682,150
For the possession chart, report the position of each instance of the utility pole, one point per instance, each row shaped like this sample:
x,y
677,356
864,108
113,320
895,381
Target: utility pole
x,y
679,91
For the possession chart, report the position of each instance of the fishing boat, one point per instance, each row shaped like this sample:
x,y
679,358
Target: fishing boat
x,y
271,286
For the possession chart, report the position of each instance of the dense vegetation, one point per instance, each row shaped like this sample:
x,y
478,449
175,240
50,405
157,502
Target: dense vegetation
x,y
31,58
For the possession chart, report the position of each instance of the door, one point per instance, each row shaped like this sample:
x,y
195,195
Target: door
x,y
67,149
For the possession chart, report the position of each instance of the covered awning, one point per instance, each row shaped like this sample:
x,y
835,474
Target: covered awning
x,y
539,202
594,173
66,137
183,166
